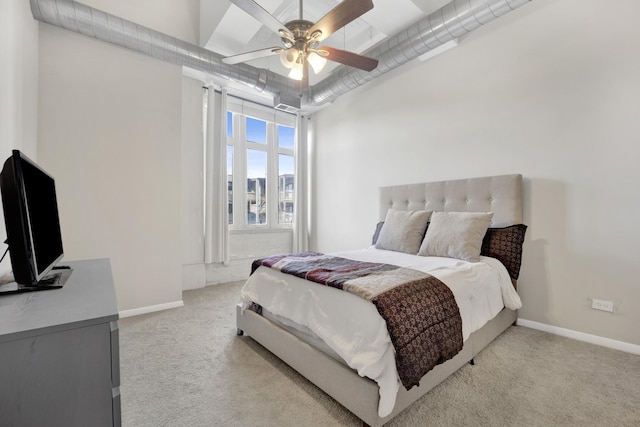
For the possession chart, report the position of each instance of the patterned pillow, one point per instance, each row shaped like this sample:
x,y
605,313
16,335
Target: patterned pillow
x,y
505,245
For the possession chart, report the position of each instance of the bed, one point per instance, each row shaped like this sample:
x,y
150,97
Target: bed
x,y
312,352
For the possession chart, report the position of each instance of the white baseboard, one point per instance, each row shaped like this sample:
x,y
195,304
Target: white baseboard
x,y
581,336
150,309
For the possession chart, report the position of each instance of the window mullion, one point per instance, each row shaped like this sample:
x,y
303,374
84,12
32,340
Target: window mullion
x,y
272,165
240,163
285,151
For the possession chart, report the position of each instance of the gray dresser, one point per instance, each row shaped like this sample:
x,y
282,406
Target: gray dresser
x,y
59,352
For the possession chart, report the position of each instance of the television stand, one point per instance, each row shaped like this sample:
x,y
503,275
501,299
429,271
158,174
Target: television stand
x,y
60,353
54,280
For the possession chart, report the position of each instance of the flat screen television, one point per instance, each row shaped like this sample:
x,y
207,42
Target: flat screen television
x,y
32,222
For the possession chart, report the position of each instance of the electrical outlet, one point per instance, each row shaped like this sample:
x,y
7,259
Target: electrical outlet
x,y
598,304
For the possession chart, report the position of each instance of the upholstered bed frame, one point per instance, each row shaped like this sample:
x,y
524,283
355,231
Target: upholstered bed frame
x,y
501,195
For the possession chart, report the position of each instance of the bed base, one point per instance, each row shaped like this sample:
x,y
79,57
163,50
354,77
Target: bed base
x,y
359,395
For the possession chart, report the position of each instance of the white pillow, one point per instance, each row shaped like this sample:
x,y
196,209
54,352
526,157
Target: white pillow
x,y
456,235
403,231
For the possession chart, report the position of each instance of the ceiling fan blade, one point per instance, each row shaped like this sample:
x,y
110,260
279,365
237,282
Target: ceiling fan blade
x,y
340,16
258,12
349,58
248,56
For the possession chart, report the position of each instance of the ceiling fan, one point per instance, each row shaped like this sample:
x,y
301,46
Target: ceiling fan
x,y
301,39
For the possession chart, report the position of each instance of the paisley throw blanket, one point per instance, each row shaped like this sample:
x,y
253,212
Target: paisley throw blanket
x,y
420,311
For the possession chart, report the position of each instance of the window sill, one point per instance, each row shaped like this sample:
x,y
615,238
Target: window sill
x,y
260,230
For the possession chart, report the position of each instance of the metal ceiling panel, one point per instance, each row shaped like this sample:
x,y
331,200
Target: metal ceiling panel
x,y
389,17
226,39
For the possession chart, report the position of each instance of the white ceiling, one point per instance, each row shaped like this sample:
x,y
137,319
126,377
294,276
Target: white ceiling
x,y
228,30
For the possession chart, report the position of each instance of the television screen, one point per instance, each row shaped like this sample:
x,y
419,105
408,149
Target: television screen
x,y
44,222
31,217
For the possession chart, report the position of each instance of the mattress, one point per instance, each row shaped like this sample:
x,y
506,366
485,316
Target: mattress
x,y
351,327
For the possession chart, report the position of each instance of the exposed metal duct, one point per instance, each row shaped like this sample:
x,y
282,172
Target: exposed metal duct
x,y
95,23
447,23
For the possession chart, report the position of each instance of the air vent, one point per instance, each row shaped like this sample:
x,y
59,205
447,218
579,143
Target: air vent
x,y
286,108
288,104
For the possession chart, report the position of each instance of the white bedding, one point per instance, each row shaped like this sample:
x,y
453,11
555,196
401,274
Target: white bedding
x,y
352,327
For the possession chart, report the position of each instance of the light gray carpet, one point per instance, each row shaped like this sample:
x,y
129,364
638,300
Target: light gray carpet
x,y
187,367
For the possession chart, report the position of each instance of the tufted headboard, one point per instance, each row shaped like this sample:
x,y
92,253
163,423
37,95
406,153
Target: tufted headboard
x,y
501,195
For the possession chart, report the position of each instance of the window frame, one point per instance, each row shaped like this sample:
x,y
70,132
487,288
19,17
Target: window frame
x,y
241,109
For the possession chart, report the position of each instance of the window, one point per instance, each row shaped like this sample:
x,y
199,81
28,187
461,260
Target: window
x,y
285,189
230,181
256,186
256,130
286,170
260,152
285,137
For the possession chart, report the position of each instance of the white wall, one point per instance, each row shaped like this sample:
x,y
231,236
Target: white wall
x,y
110,132
551,91
18,87
192,230
177,18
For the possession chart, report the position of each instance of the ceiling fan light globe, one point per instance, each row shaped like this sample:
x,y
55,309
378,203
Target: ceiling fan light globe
x,y
317,62
288,57
297,72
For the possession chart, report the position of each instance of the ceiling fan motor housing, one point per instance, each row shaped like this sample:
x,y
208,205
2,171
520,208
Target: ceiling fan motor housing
x,y
298,29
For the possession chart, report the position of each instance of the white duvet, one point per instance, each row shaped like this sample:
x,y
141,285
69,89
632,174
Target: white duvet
x,y
352,327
